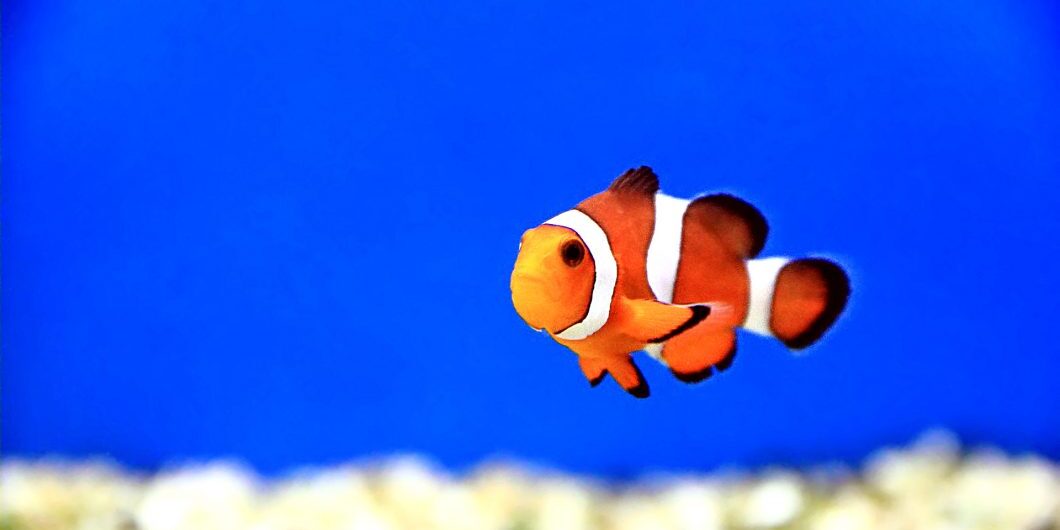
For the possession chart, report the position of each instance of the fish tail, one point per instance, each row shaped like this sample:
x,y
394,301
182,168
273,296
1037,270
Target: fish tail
x,y
795,301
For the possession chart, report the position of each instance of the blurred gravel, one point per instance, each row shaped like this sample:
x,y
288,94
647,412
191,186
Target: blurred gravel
x,y
929,485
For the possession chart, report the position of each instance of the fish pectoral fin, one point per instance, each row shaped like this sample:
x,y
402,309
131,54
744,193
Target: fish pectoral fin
x,y
651,321
594,370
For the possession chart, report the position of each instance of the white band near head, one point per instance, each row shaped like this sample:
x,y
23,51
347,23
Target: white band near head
x,y
763,278
606,272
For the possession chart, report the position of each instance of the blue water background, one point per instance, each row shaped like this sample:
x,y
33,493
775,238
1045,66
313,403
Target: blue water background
x,y
282,231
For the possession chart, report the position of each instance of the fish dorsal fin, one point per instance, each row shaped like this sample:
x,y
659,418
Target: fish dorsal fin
x,y
741,227
641,180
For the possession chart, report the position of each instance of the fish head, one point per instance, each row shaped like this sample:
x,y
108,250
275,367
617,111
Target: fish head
x,y
552,281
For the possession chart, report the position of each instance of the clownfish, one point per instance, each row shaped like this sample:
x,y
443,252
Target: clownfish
x,y
632,269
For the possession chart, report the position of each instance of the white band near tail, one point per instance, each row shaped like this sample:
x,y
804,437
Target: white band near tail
x,y
762,274
606,272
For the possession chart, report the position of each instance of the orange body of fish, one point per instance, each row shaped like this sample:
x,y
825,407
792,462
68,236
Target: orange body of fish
x,y
633,269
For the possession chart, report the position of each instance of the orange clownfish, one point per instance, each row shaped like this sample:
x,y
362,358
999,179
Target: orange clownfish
x,y
633,269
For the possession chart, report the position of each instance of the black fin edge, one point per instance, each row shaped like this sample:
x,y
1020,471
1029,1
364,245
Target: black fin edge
x,y
694,377
838,293
598,379
699,314
756,222
726,362
640,180
702,375
640,391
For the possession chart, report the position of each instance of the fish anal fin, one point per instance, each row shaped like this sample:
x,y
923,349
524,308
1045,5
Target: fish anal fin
x,y
641,180
726,362
651,321
694,356
739,225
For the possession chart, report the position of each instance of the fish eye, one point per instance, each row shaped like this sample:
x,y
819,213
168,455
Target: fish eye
x,y
573,253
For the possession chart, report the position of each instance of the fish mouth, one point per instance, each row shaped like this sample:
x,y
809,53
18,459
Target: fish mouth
x,y
522,276
526,299
525,283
